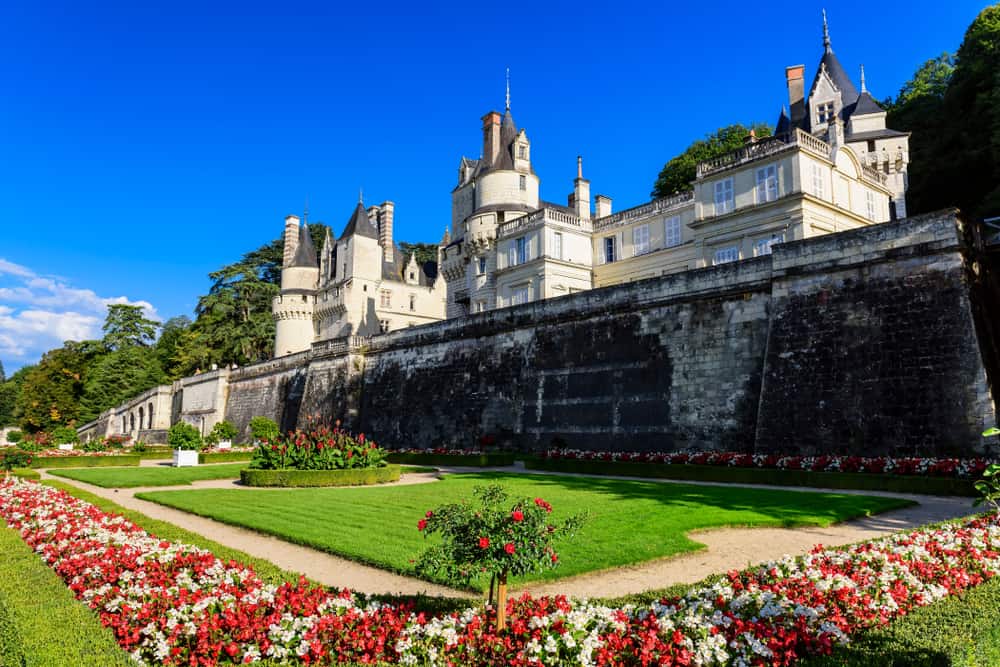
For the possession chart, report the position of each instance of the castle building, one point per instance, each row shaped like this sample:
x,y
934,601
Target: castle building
x,y
357,285
832,165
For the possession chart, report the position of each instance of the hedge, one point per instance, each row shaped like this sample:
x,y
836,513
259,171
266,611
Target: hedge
x,y
297,478
85,461
937,486
959,631
494,459
224,457
24,473
41,623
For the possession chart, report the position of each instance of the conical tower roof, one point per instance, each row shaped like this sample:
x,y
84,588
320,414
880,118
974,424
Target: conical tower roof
x,y
359,224
305,255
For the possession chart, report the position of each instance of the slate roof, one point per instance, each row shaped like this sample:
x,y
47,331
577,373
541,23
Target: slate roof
x,y
839,77
396,269
359,224
876,134
305,255
784,124
866,105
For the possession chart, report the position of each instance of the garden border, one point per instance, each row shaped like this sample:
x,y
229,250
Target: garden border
x,y
935,486
316,478
485,460
115,460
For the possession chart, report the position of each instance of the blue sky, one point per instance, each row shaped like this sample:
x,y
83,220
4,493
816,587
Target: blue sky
x,y
143,146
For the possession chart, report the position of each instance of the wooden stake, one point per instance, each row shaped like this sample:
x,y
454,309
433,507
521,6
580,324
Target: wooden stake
x,y
502,602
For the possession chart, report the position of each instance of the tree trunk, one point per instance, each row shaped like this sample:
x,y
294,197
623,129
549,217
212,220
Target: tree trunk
x,y
493,581
502,602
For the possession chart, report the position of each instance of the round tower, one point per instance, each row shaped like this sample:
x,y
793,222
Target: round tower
x,y
294,307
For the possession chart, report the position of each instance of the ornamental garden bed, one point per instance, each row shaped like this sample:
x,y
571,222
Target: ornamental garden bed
x,y
304,478
453,458
936,486
775,613
124,478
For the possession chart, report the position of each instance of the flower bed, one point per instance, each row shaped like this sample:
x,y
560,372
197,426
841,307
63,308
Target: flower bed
x,y
883,465
170,603
300,478
441,456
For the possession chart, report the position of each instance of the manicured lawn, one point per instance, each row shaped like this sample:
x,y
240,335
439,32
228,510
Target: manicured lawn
x,y
123,478
630,521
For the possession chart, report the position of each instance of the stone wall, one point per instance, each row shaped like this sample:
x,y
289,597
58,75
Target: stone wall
x,y
862,342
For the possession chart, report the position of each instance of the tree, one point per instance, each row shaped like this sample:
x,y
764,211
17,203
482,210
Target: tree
x,y
118,376
677,174
126,326
929,81
50,395
9,393
426,252
3,376
168,345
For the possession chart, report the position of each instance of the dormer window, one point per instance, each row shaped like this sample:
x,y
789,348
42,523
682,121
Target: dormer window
x,y
824,113
522,152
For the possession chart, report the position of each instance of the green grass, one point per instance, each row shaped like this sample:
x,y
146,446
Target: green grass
x,y
630,521
41,623
124,478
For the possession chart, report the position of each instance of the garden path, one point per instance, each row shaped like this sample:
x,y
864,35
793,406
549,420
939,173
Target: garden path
x,y
726,548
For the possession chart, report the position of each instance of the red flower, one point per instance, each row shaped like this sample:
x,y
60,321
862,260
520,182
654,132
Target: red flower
x,y
429,514
509,548
517,515
484,542
555,557
421,524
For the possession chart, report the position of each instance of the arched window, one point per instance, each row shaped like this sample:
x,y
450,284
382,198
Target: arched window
x,y
142,414
149,414
132,422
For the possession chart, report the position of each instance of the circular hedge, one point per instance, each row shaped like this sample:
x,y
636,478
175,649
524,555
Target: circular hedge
x,y
299,478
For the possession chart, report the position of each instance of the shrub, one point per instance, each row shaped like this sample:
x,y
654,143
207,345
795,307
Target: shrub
x,y
262,428
139,447
35,442
65,435
224,430
498,537
319,448
15,459
14,436
184,436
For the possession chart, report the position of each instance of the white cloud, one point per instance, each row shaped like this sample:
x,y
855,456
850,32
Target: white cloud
x,y
38,313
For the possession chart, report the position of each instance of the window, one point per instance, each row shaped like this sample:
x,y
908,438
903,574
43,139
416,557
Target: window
x,y
383,326
480,306
762,247
871,145
521,246
724,196
481,265
413,302
824,112
522,182
519,296
672,231
512,254
609,249
640,240
767,184
723,255
522,153
557,245
385,298
412,276
870,204
818,180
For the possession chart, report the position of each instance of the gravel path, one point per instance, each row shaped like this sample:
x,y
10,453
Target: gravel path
x,y
727,548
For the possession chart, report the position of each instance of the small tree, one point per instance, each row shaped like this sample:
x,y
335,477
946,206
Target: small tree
x,y
65,435
14,459
184,436
14,436
989,486
262,428
224,430
499,537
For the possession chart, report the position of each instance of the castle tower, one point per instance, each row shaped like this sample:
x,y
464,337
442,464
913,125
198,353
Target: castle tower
x,y
293,308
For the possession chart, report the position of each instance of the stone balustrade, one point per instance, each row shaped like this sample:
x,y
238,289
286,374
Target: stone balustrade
x,y
540,217
646,210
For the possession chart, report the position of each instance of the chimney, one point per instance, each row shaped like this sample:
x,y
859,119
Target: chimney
x,y
491,137
794,76
602,206
291,239
385,230
580,199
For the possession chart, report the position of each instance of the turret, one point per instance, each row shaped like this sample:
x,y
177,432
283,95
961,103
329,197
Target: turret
x,y
293,308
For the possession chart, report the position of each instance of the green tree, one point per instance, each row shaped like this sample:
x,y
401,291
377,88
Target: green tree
x,y
9,393
677,174
126,326
929,81
118,376
51,392
168,345
426,252
3,376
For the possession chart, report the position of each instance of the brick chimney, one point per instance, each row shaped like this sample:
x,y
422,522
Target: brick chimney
x,y
795,77
385,230
291,239
491,137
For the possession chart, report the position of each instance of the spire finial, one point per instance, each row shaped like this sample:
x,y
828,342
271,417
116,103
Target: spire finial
x,y
864,89
508,89
305,212
361,196
826,34
579,166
